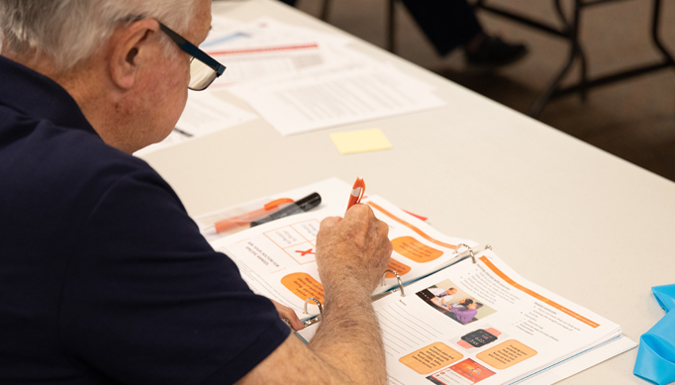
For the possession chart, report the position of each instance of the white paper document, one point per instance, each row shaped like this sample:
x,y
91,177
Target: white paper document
x,y
204,114
335,98
265,48
300,79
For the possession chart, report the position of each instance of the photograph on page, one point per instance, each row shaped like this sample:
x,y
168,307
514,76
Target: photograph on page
x,y
446,298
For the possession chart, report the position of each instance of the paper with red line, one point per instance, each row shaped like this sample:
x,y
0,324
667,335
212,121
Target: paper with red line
x,y
266,48
301,79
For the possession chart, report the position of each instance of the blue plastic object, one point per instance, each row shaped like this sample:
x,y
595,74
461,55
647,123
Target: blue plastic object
x,y
656,354
665,295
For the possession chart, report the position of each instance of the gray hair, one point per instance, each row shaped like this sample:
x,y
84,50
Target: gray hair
x,y
69,31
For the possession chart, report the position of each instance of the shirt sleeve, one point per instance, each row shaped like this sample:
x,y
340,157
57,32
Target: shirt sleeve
x,y
146,300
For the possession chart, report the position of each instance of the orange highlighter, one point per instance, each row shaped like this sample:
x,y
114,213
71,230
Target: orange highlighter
x,y
358,190
246,219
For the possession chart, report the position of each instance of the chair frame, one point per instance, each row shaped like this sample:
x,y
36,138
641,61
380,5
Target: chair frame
x,y
568,31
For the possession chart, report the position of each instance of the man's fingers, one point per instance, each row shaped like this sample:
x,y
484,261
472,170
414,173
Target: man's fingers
x,y
286,313
293,319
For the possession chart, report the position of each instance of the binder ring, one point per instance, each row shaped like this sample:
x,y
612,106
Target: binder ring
x,y
488,247
312,321
468,248
398,277
317,302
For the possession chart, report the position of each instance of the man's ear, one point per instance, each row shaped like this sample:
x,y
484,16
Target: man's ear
x,y
132,48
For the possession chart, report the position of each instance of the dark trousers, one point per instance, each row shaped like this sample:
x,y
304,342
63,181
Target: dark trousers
x,y
448,24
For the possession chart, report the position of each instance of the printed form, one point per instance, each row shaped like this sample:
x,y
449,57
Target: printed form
x,y
334,98
277,259
267,49
300,79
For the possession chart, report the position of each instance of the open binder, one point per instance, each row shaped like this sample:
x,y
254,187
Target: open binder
x,y
451,311
310,320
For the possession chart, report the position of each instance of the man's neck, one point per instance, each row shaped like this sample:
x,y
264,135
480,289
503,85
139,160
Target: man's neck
x,y
87,85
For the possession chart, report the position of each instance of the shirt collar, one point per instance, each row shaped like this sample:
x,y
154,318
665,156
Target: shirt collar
x,y
38,96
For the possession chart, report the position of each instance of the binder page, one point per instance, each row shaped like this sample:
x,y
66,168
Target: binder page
x,y
277,259
483,323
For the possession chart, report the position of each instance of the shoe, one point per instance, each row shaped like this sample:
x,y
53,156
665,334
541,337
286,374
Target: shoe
x,y
494,52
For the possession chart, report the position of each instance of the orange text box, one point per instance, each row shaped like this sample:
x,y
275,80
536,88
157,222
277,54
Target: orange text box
x,y
401,268
431,358
506,354
417,251
303,285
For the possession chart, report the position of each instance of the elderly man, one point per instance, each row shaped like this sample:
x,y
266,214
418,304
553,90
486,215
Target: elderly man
x,y
104,279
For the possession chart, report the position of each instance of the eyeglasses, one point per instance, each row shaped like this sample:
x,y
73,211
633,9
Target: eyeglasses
x,y
203,68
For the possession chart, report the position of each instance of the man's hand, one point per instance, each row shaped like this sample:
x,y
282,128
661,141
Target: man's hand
x,y
352,254
353,250
287,314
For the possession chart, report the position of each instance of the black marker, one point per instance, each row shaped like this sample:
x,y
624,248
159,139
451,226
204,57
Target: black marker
x,y
303,205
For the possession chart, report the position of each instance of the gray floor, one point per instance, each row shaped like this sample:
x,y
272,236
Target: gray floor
x,y
633,119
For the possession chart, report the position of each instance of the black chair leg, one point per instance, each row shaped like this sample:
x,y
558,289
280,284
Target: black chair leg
x,y
655,33
391,26
583,89
572,29
656,20
325,10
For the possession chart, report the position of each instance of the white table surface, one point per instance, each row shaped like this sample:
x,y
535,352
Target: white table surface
x,y
579,221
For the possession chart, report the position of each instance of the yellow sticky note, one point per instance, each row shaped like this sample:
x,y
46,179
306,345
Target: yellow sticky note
x,y
353,142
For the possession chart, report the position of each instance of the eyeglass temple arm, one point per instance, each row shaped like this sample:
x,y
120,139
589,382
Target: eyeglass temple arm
x,y
193,51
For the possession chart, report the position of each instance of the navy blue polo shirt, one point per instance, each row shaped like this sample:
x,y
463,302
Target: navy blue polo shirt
x,y
104,279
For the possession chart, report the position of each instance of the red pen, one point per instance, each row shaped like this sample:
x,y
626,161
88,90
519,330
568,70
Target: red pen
x,y
358,190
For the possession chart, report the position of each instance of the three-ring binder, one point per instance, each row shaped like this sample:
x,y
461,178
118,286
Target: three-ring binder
x,y
313,320
398,277
318,303
468,249
317,319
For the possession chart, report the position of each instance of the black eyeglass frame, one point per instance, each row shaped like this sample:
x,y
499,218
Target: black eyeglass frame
x,y
195,52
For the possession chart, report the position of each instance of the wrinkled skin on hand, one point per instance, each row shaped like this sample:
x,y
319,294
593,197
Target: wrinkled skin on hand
x,y
353,250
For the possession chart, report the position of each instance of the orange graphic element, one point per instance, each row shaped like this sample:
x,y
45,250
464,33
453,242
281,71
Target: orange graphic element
x,y
555,305
472,370
506,354
401,268
303,253
415,250
431,358
411,227
303,285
